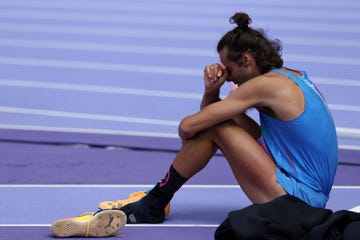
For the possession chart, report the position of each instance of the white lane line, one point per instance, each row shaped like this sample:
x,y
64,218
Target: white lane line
x,y
336,81
103,117
117,118
343,107
208,8
99,89
88,131
355,209
127,225
349,147
322,59
160,50
130,91
108,31
342,132
131,18
168,34
122,90
25,225
36,62
108,47
140,186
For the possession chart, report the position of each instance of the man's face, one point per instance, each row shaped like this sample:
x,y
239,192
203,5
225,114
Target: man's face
x,y
238,71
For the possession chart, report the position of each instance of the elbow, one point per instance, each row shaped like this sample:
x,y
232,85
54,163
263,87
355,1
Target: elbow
x,y
186,130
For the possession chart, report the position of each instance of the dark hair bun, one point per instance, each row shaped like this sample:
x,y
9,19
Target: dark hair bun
x,y
241,19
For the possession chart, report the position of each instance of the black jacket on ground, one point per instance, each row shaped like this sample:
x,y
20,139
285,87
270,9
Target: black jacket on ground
x,y
288,218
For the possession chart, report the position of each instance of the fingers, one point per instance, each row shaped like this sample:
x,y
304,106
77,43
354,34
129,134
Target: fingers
x,y
214,72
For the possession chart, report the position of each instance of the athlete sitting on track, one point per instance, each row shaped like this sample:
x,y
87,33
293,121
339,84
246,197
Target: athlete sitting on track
x,y
294,150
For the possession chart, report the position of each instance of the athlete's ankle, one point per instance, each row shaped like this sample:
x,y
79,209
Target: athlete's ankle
x,y
157,197
167,187
147,210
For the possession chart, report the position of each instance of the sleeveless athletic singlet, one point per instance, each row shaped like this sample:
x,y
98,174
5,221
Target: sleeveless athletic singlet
x,y
305,149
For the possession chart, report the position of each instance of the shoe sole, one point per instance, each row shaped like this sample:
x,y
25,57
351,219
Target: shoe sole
x,y
102,224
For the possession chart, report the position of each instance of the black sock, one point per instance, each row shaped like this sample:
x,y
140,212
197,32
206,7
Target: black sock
x,y
150,209
166,188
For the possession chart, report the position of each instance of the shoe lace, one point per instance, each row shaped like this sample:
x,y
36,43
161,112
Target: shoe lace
x,y
86,213
88,223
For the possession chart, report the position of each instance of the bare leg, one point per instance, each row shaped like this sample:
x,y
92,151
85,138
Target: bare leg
x,y
252,166
194,155
196,152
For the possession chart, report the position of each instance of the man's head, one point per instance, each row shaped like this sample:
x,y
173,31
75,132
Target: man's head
x,y
244,46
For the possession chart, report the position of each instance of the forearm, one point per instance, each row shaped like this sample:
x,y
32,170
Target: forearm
x,y
209,98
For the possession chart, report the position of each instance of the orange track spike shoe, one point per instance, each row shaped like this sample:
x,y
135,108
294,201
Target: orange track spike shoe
x,y
133,197
103,223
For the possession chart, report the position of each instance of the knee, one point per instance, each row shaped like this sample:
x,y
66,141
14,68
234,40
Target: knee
x,y
230,130
222,129
187,129
211,133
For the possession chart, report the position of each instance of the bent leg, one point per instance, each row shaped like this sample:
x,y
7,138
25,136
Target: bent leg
x,y
253,168
197,151
251,165
194,155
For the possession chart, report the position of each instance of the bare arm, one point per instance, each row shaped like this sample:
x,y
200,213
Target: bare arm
x,y
248,95
214,77
272,91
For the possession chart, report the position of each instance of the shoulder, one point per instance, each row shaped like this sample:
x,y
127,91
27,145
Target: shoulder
x,y
271,79
267,84
274,83
267,90
280,94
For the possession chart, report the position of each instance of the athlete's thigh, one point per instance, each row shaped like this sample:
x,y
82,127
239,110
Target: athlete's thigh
x,y
248,124
252,166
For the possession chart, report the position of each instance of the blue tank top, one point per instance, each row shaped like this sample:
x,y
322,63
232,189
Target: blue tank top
x,y
306,147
